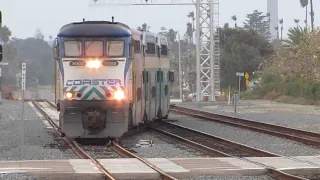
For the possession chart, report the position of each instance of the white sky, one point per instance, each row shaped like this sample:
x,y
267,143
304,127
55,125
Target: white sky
x,y
24,17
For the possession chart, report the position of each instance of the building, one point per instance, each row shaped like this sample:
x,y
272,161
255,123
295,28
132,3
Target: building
x,y
272,8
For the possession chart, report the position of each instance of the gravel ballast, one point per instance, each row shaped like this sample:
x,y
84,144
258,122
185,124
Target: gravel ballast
x,y
289,115
254,139
38,141
161,148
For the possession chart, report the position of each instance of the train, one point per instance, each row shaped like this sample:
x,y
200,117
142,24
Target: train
x,y
109,78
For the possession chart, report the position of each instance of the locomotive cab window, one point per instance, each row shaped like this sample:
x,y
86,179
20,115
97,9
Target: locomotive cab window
x,y
151,48
164,50
137,47
115,48
93,48
72,48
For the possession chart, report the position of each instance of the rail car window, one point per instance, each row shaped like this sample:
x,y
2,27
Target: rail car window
x,y
164,50
166,90
151,48
72,48
94,48
137,48
115,48
139,94
153,91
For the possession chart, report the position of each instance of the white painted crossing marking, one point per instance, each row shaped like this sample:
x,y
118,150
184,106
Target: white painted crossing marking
x,y
17,170
83,166
167,165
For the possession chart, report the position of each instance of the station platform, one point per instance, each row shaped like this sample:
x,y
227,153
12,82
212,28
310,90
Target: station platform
x,y
128,168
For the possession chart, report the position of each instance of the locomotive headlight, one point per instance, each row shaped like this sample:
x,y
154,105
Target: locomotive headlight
x,y
68,95
119,95
94,64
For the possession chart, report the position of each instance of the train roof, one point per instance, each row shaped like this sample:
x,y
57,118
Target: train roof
x,y
95,29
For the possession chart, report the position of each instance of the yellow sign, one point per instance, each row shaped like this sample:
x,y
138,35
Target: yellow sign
x,y
247,82
246,75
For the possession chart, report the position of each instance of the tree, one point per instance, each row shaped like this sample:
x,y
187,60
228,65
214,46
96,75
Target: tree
x,y
269,20
191,15
312,15
304,4
297,35
277,29
5,34
241,50
38,34
144,27
189,32
281,23
234,18
256,22
302,63
297,22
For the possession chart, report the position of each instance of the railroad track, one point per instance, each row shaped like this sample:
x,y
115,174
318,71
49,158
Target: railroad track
x,y
188,136
81,153
207,143
309,138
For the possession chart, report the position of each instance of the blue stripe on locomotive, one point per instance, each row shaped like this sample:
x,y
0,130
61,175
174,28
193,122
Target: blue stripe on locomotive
x,y
95,29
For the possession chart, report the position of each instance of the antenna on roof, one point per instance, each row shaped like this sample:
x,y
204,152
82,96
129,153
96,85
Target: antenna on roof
x,y
83,20
112,19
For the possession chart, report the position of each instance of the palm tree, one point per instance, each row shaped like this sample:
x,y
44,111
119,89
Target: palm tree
x,y
191,15
234,18
281,22
304,4
296,36
297,22
144,27
277,29
312,15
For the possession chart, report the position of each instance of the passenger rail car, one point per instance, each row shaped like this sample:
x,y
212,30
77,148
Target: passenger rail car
x,y
109,78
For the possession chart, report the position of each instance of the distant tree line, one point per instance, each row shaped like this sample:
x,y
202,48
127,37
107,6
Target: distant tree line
x,y
34,51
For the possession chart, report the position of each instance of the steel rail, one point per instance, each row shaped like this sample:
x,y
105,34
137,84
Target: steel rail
x,y
242,147
271,170
305,137
191,144
72,144
125,153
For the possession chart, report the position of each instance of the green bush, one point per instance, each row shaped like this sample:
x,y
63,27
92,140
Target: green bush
x,y
294,87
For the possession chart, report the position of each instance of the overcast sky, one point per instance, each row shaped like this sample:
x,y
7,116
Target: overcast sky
x,y
23,17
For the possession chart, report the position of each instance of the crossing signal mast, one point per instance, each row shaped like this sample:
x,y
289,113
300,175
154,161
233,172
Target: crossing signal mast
x,y
207,39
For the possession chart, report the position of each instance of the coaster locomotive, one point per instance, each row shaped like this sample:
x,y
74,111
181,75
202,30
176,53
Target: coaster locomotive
x,y
109,78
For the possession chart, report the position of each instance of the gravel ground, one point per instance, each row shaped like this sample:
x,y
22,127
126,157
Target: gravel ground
x,y
38,141
17,176
258,140
162,147
290,115
230,178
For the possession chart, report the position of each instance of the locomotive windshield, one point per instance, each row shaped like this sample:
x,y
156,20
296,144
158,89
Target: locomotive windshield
x,y
115,48
72,48
94,48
